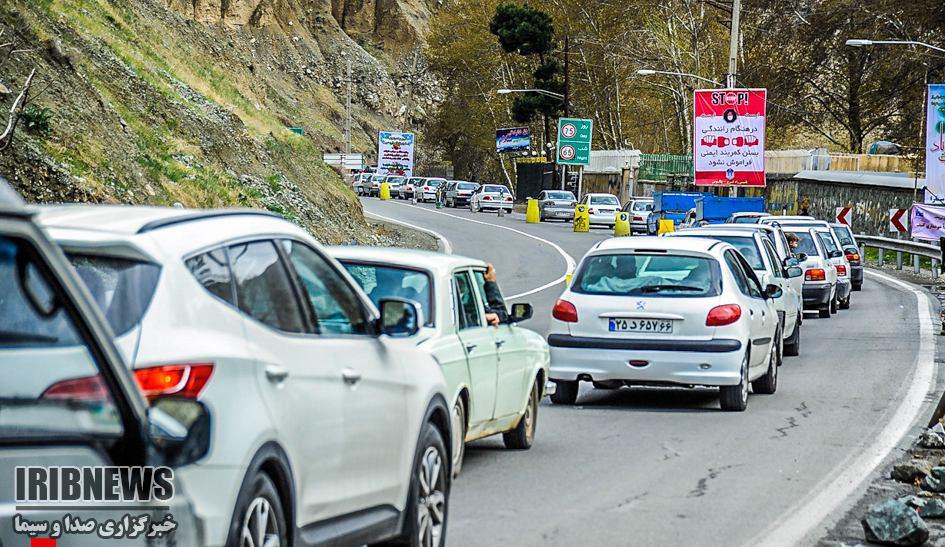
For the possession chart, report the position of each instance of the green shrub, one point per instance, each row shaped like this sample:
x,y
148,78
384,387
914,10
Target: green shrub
x,y
36,119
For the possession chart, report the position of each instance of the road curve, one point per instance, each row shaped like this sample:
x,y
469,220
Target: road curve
x,y
657,467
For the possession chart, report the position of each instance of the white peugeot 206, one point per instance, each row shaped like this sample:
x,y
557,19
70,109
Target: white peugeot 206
x,y
327,429
666,312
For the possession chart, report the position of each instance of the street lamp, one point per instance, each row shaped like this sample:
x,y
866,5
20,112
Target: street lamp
x,y
552,94
650,72
863,43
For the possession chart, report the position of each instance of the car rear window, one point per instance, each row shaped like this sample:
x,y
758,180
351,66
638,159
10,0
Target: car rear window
x,y
828,241
467,186
122,288
642,206
805,243
604,200
747,220
560,195
844,235
387,282
495,188
744,245
648,274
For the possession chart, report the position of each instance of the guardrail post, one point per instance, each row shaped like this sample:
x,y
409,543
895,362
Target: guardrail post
x,y
882,255
915,264
898,260
934,267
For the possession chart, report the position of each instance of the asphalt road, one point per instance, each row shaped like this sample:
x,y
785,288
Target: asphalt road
x,y
665,466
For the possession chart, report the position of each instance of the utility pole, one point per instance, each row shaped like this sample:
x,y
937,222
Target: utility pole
x,y
733,46
567,102
348,114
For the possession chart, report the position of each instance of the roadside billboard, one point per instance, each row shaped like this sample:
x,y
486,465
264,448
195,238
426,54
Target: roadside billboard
x,y
513,139
935,145
927,222
729,137
395,153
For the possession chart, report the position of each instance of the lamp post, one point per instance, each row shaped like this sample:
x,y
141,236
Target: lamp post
x,y
539,91
863,43
650,72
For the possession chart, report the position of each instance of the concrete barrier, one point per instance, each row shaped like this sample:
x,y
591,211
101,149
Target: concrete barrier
x,y
582,222
385,191
532,214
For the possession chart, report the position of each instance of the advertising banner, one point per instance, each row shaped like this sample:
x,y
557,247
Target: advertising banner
x,y
513,139
935,145
729,137
395,153
928,222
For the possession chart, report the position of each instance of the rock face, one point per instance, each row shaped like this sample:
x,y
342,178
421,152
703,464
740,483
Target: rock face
x,y
892,522
911,470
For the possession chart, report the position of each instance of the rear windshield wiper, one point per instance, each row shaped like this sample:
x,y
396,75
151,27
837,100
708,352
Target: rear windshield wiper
x,y
667,287
13,336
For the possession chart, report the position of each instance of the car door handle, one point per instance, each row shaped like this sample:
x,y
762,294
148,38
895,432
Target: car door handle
x,y
499,343
350,376
470,347
275,373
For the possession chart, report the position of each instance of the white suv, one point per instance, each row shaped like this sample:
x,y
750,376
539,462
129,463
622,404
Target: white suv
x,y
327,427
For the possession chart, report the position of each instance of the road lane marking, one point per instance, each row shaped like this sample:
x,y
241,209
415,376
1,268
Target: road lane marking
x,y
831,492
447,246
569,260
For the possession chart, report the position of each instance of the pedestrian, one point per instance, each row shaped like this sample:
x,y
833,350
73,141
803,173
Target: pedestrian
x,y
496,312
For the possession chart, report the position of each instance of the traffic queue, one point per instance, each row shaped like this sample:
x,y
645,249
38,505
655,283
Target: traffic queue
x,y
311,395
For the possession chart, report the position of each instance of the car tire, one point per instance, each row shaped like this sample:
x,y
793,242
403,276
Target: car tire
x,y
824,313
735,398
459,430
792,347
768,384
522,437
857,287
430,450
845,304
262,494
565,393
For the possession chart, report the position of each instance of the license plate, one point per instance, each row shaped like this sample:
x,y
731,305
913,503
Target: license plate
x,y
660,326
564,213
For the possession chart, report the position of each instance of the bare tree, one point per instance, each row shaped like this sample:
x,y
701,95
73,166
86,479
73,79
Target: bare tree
x,y
7,50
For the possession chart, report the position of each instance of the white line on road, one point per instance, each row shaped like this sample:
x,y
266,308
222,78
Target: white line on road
x,y
447,246
831,492
569,260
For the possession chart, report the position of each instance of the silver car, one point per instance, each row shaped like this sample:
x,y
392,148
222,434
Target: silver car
x,y
556,204
639,209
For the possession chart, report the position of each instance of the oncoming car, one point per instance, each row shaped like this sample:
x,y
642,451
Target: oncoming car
x,y
666,311
495,375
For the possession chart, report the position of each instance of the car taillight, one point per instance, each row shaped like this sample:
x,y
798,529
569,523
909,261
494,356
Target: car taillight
x,y
564,311
815,274
87,388
853,257
486,198
508,198
841,269
723,315
179,380
638,219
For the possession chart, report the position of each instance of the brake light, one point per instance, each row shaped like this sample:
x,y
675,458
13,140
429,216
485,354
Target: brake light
x,y
841,269
815,274
179,380
486,198
508,198
87,388
564,311
638,219
853,257
723,315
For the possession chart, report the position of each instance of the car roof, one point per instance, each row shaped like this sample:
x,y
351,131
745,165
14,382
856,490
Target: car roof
x,y
599,194
694,244
714,232
438,263
750,214
130,219
780,218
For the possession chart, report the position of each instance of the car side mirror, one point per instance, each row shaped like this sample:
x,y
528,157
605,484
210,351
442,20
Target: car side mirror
x,y
836,254
400,318
521,312
791,261
179,430
773,291
794,271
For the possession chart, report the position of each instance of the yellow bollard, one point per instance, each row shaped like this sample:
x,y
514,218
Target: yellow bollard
x,y
532,215
622,224
666,225
582,222
385,191
567,281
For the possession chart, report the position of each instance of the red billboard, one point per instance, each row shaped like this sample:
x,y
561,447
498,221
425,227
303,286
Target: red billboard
x,y
729,137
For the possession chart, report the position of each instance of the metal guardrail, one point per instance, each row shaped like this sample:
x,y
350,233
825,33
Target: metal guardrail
x,y
901,247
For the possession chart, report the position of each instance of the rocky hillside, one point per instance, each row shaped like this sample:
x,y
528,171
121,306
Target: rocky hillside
x,y
194,101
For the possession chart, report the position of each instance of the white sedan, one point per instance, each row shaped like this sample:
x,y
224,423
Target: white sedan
x,y
495,375
490,196
601,208
666,311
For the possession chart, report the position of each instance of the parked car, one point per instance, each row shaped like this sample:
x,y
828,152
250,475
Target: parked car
x,y
639,209
851,249
556,204
495,376
67,398
601,208
746,217
666,311
490,196
409,189
242,310
427,192
839,260
458,192
820,275
761,255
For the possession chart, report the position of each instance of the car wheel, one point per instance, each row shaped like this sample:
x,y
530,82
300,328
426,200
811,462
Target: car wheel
x,y
565,393
261,519
735,398
459,438
792,347
858,287
768,384
428,500
522,437
845,303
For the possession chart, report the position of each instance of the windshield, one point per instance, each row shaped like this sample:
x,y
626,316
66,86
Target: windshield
x,y
604,200
388,281
560,196
805,244
51,382
844,235
121,288
651,275
642,206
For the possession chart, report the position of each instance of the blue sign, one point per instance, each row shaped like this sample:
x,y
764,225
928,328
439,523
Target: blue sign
x,y
514,139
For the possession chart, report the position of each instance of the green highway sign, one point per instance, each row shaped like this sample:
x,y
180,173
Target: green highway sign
x,y
574,141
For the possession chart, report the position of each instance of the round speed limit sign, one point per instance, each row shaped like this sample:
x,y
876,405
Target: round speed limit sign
x,y
567,152
568,130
